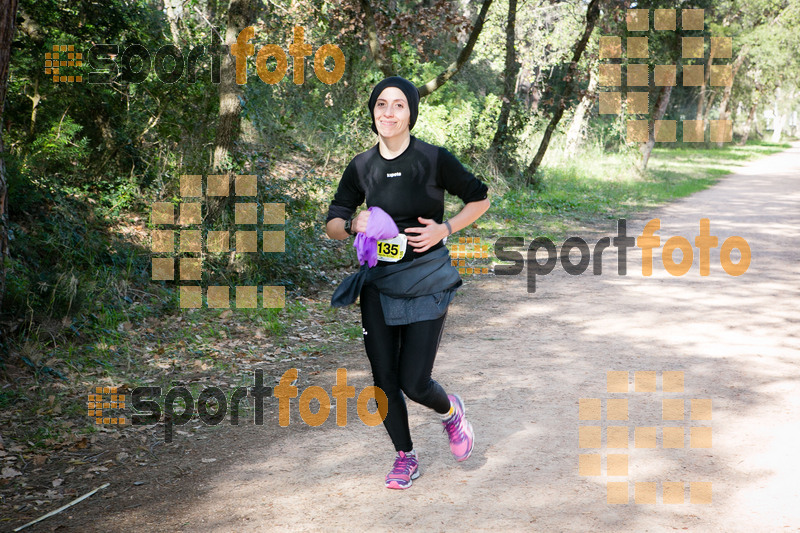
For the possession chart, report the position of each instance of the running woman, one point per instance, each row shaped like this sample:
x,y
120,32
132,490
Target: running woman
x,y
404,298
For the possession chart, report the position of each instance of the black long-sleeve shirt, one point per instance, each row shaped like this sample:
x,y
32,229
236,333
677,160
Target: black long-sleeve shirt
x,y
409,186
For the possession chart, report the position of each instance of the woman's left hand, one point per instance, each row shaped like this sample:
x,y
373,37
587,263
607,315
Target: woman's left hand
x,y
428,236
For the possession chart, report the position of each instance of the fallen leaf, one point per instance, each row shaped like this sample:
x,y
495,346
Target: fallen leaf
x,y
39,460
10,472
57,482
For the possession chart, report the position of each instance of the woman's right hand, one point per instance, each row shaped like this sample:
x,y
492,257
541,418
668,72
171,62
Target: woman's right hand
x,y
359,224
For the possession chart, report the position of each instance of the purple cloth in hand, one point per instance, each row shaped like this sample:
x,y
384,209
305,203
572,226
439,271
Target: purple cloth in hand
x,y
379,227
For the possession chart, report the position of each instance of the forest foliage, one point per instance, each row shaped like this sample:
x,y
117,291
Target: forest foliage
x,y
85,161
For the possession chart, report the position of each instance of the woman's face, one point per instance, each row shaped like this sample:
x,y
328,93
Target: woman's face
x,y
391,113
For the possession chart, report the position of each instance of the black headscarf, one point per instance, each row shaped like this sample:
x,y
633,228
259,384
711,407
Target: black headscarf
x,y
409,90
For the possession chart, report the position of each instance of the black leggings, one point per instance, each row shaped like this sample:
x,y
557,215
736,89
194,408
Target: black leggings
x,y
402,360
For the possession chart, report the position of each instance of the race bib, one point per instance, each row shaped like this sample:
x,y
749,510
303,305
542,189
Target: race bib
x,y
392,250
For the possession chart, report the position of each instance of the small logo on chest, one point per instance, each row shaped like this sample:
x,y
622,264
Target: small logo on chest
x,y
394,174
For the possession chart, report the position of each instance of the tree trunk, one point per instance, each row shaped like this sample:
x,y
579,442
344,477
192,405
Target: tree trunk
x,y
759,135
501,136
383,63
581,118
535,94
35,99
592,12
749,123
454,67
211,11
31,28
8,15
526,88
776,116
724,113
228,122
658,112
701,102
174,11
777,126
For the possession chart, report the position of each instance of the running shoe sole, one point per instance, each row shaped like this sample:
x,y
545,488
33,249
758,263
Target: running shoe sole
x,y
467,425
471,445
397,484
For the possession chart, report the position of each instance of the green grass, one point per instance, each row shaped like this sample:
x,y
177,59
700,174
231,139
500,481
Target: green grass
x,y
598,187
353,332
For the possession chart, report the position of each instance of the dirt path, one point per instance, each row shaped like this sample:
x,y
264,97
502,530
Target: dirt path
x,y
522,361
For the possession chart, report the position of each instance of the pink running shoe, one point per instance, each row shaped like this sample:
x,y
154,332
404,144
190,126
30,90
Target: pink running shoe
x,y
406,468
459,430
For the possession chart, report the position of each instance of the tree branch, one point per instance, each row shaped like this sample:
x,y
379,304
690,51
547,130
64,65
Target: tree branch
x,y
592,12
453,68
384,64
